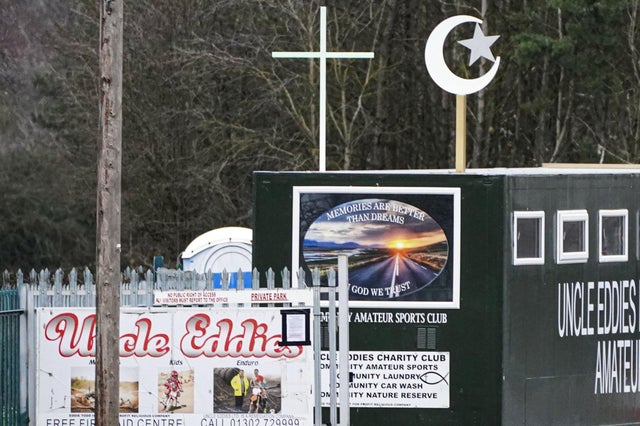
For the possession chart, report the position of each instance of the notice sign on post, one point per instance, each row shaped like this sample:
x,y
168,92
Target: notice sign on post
x,y
394,379
296,328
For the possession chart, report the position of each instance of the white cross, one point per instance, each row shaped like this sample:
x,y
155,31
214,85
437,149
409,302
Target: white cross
x,y
323,55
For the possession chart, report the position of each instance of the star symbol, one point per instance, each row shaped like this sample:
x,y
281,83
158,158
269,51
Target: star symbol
x,y
479,45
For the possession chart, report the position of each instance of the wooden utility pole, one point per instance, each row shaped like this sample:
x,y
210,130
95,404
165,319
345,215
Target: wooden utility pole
x,y
108,216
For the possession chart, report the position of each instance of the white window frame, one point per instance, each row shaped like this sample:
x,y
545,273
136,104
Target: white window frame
x,y
638,235
528,215
614,257
571,216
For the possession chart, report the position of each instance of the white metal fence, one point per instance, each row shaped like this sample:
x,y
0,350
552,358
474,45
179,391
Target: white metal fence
x,y
77,288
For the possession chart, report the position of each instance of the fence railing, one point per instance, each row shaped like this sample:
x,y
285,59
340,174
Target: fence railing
x,y
10,313
77,288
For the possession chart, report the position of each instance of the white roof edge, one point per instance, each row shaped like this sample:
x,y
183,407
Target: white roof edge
x,y
546,169
227,234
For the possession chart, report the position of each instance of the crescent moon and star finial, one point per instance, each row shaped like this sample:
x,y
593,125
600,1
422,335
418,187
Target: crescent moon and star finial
x,y
479,45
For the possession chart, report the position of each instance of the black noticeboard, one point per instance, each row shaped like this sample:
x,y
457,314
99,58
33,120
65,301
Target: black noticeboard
x,y
409,242
296,330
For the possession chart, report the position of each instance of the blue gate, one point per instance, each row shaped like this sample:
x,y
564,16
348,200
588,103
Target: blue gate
x,y
10,312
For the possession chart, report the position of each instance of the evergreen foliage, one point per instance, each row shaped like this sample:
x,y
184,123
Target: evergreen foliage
x,y
205,104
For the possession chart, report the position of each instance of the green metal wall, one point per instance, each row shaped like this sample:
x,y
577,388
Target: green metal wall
x,y
472,334
549,380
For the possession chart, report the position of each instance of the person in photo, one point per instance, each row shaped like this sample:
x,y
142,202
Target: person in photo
x,y
240,384
258,399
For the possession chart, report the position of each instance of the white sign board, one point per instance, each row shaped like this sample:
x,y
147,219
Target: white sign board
x,y
177,367
394,379
203,297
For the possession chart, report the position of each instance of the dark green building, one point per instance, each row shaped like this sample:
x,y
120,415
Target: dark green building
x,y
499,296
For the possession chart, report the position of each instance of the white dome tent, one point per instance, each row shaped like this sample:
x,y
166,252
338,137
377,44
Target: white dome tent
x,y
222,249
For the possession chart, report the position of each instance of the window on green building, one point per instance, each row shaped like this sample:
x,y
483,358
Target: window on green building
x,y
572,240
528,238
613,231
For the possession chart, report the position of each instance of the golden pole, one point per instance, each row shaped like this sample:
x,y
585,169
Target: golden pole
x,y
461,133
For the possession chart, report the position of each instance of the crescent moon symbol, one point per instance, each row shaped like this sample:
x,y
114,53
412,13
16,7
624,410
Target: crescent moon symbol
x,y
437,67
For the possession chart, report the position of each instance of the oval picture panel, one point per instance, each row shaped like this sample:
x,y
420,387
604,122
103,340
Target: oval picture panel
x,y
394,248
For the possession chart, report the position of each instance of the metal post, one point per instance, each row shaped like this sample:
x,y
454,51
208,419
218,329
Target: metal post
x,y
317,373
343,326
24,352
317,397
333,390
322,129
32,358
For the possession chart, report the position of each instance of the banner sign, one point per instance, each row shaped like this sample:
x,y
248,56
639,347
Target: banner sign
x,y
403,243
393,379
248,296
207,367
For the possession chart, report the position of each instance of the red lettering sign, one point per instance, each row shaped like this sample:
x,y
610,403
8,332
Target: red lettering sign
x,y
249,338
79,339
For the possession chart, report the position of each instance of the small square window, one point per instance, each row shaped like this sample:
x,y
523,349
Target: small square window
x,y
528,238
573,236
613,241
638,235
